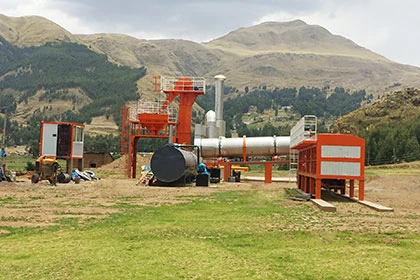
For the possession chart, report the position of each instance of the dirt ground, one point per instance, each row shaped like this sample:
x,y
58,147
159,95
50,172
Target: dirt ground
x,y
23,204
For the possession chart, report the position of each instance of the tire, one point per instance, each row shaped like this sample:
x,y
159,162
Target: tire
x,y
35,178
53,180
54,167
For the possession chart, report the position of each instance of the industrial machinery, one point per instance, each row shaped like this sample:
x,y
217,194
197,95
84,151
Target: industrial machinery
x,y
157,119
214,125
173,165
46,168
243,147
327,160
218,151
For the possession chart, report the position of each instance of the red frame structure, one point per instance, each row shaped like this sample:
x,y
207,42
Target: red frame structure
x,y
331,157
157,124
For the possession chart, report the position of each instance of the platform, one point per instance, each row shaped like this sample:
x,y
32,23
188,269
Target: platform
x,y
375,206
274,179
324,206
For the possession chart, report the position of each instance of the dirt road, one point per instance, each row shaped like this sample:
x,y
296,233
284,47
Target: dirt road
x,y
23,204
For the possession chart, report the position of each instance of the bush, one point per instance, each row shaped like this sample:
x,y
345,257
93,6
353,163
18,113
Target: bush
x,y
30,166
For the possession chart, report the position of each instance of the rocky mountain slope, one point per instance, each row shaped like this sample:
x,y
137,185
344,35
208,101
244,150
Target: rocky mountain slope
x,y
397,108
272,54
32,31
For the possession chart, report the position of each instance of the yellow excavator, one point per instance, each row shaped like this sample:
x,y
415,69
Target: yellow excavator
x,y
46,168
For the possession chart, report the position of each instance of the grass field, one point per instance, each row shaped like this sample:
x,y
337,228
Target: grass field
x,y
252,234
19,163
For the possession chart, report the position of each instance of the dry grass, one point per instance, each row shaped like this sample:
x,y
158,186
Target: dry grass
x,y
49,108
102,126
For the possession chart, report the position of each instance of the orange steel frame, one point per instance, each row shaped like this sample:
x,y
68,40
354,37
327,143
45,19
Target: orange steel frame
x,y
157,125
187,94
268,168
227,166
309,177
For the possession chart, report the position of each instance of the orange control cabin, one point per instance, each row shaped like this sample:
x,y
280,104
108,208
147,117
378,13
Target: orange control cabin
x,y
330,161
327,160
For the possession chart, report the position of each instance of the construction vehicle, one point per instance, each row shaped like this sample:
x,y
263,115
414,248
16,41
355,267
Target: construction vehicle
x,y
46,168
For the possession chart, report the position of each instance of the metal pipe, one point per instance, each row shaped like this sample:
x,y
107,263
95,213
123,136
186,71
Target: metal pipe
x,y
211,129
171,134
219,92
236,147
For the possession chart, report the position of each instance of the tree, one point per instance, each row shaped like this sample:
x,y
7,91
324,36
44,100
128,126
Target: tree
x,y
412,149
7,103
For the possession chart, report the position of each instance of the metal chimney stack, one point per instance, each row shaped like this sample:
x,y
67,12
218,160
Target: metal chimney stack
x,y
219,92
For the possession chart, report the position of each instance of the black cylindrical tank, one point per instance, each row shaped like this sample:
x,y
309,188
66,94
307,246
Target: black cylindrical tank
x,y
170,163
63,177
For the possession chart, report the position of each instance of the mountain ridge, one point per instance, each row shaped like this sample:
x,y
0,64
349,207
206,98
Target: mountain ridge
x,y
272,54
51,70
291,37
32,31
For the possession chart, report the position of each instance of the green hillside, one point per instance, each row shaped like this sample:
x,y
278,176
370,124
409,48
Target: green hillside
x,y
263,111
390,126
50,70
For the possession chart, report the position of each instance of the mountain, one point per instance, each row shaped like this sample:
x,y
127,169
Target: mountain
x,y
288,54
297,54
63,81
290,37
171,58
32,31
271,54
390,127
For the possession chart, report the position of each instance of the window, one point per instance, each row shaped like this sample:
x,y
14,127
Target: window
x,y
78,134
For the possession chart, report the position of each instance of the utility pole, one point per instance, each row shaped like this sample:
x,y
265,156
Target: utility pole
x,y
4,127
3,164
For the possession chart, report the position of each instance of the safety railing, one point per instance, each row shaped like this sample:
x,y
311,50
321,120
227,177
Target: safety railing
x,y
153,107
183,84
305,129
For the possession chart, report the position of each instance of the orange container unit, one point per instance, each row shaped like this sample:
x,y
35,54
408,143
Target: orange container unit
x,y
330,161
327,160
63,140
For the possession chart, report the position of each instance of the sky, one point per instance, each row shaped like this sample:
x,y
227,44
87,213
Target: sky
x,y
387,27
